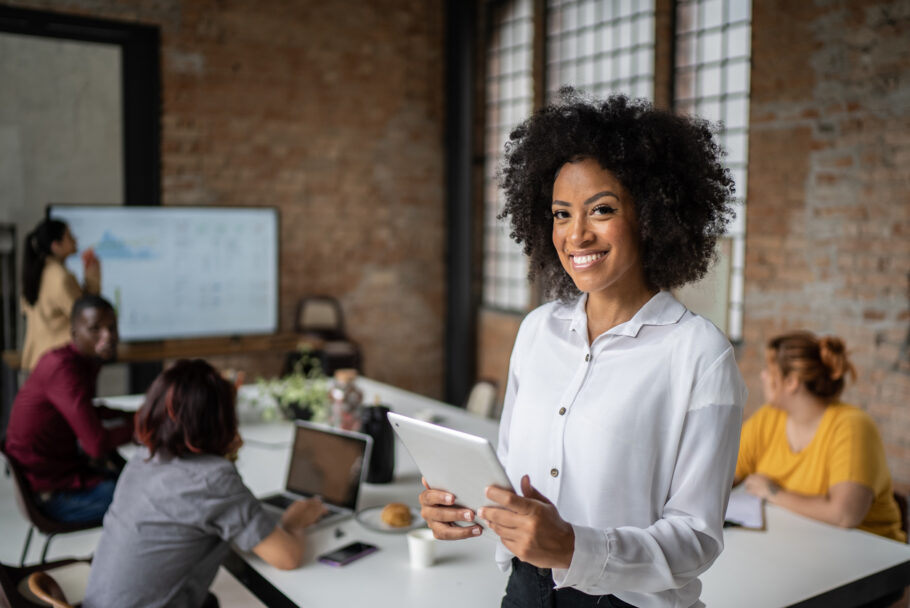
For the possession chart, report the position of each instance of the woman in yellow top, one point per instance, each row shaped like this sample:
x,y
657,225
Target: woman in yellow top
x,y
49,289
809,452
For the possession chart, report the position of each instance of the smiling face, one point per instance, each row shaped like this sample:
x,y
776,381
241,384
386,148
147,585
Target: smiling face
x,y
595,230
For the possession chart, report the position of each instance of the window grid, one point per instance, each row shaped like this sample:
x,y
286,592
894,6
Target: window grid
x,y
509,99
601,46
713,58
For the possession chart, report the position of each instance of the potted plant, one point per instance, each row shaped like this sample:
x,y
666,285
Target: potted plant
x,y
301,394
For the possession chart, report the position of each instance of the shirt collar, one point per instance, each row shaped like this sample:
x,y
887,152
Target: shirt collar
x,y
662,309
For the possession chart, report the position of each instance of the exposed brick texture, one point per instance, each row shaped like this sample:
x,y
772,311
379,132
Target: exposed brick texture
x,y
828,227
333,112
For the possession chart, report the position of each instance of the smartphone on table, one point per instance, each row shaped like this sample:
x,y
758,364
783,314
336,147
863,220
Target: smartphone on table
x,y
347,554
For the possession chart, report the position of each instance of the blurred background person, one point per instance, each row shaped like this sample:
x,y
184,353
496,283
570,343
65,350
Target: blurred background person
x,y
56,433
180,502
49,289
807,451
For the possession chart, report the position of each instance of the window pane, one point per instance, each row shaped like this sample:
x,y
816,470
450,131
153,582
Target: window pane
x,y
602,38
645,88
736,147
740,10
570,16
712,80
709,109
625,64
712,13
709,81
737,112
606,71
586,47
625,34
508,101
645,60
740,177
738,42
737,77
587,11
645,34
710,47
626,7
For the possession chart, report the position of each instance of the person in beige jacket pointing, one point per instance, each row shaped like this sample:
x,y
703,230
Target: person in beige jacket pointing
x,y
49,289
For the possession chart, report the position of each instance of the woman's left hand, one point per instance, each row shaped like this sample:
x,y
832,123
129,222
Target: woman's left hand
x,y
530,526
761,486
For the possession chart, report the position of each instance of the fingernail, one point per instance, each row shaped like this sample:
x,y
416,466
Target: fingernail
x,y
449,499
476,531
482,513
467,516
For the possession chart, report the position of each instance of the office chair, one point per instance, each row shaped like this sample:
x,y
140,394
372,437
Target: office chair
x,y
321,322
27,587
46,588
482,399
28,506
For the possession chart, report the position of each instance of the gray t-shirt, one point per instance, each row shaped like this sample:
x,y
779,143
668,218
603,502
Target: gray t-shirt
x,y
168,529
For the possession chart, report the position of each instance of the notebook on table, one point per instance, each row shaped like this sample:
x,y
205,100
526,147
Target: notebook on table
x,y
325,462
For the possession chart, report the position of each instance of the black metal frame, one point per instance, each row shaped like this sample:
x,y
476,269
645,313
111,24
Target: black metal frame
x,y
462,300
140,82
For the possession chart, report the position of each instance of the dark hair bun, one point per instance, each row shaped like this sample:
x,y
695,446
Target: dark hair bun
x,y
833,355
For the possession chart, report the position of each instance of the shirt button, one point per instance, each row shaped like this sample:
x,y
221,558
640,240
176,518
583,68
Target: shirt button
x,y
562,411
587,357
554,472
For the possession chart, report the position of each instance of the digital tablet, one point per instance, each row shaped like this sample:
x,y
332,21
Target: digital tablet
x,y
453,461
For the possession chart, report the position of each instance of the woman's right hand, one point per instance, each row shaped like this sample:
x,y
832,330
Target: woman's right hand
x,y
436,508
302,513
92,266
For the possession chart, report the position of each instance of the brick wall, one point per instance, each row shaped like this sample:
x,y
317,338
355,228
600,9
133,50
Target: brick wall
x,y
333,112
828,226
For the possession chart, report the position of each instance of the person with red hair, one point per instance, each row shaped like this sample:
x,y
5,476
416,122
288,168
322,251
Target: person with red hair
x,y
180,501
809,452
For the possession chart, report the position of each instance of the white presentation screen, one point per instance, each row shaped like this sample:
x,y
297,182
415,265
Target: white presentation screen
x,y
177,272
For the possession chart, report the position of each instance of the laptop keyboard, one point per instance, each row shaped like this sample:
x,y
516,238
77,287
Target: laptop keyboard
x,y
279,500
283,502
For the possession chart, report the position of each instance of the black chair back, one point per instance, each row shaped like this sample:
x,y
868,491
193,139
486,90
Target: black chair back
x,y
28,507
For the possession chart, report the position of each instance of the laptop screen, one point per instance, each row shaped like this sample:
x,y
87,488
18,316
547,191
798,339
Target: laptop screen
x,y
328,464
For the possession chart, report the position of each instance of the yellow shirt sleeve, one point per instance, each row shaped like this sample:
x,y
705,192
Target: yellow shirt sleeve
x,y
856,453
751,444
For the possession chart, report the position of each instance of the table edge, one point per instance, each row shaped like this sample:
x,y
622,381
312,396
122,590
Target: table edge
x,y
862,590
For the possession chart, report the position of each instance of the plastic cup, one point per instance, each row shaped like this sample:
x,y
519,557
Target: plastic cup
x,y
422,548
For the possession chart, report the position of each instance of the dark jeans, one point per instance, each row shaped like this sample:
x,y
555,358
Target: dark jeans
x,y
532,587
79,505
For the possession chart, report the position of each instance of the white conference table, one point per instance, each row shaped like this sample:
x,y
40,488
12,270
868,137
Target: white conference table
x,y
794,562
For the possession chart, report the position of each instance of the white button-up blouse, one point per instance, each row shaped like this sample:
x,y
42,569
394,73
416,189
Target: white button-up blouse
x,y
633,438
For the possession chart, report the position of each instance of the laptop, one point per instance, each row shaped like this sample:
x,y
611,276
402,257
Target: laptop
x,y
326,462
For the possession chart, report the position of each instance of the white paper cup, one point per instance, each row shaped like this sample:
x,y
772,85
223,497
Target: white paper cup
x,y
422,547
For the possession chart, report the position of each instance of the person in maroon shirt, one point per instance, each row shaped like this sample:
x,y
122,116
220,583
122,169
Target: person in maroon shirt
x,y
56,434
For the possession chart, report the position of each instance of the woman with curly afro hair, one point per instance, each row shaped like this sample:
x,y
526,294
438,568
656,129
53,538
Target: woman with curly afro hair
x,y
623,408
